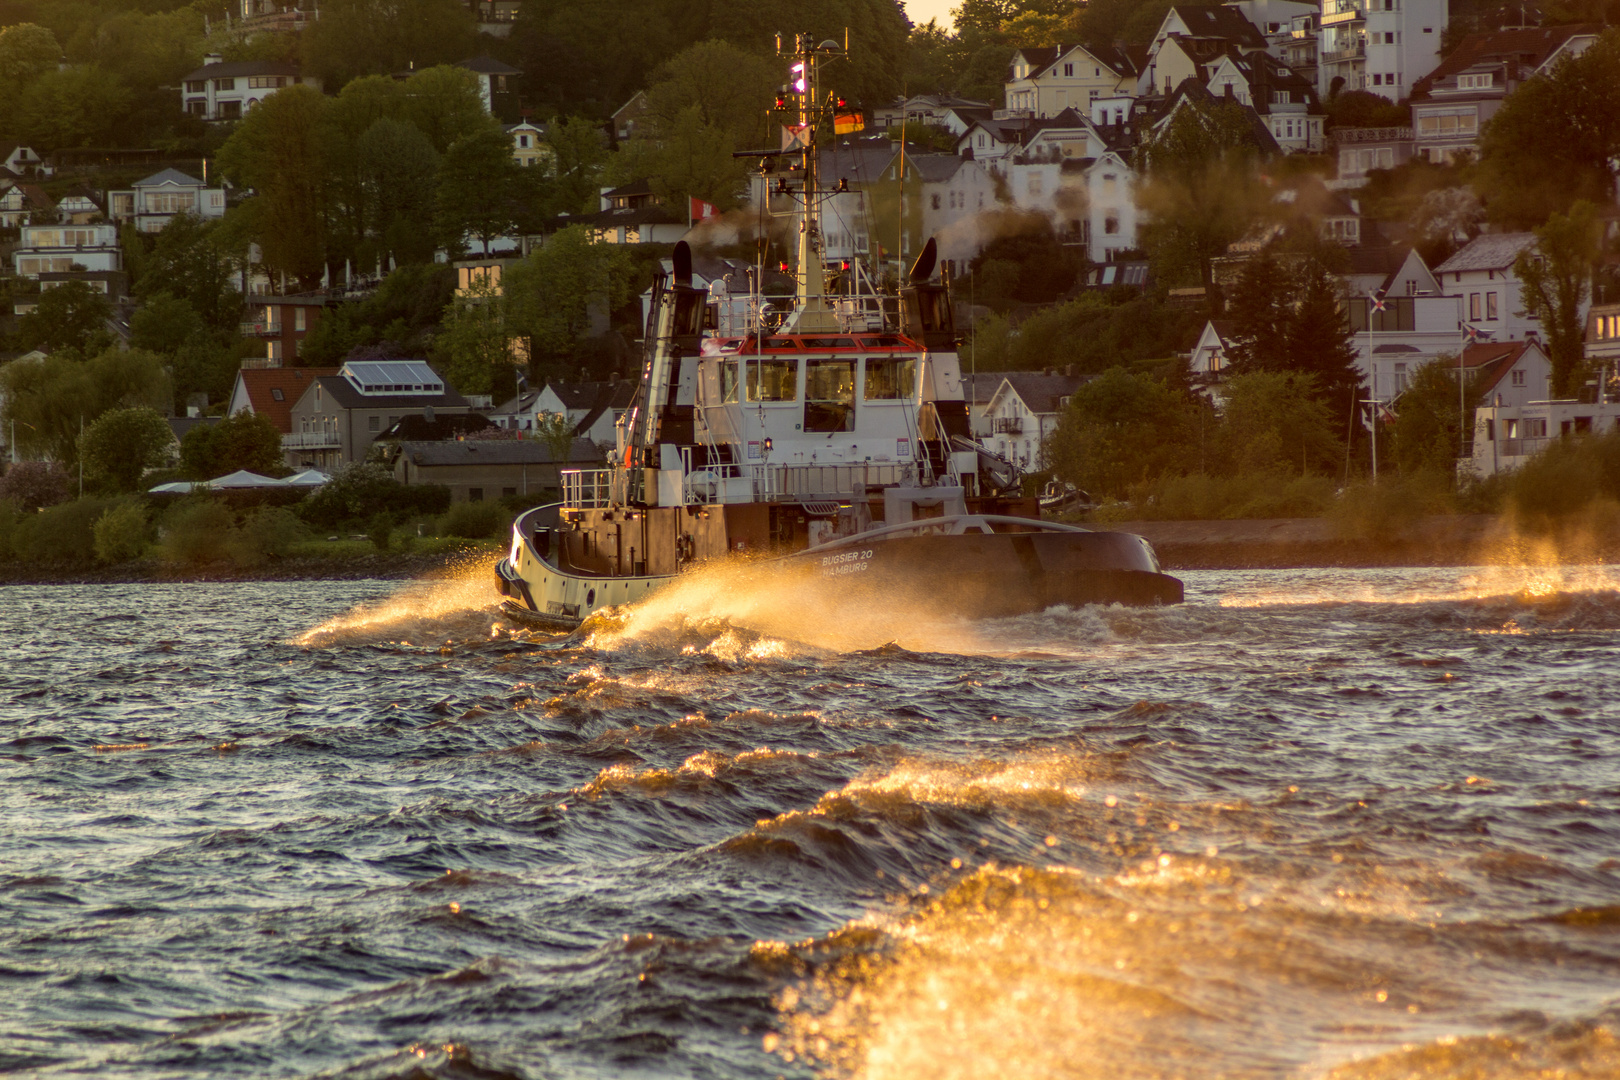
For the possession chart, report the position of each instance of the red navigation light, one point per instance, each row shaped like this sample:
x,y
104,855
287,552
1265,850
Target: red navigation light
x,y
781,101
842,103
782,266
844,265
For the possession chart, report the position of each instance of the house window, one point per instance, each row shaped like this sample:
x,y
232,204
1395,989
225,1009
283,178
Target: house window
x,y
1068,71
475,494
1111,223
1490,305
523,141
1400,378
1473,305
1518,378
224,84
934,202
1037,184
299,325
196,86
1536,428
276,394
374,423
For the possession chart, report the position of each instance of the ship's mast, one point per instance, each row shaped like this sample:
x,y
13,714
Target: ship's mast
x,y
813,313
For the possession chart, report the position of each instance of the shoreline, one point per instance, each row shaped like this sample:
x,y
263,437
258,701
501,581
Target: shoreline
x,y
1243,544
388,566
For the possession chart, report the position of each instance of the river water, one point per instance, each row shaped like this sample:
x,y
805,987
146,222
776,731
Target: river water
x,y
1323,823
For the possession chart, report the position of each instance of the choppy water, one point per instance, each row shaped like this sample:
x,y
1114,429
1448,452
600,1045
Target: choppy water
x,y
1357,824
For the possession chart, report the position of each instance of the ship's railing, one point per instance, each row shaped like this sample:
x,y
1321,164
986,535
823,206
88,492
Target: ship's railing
x,y
587,487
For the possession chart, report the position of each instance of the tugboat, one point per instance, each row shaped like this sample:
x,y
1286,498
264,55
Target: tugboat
x,y
832,438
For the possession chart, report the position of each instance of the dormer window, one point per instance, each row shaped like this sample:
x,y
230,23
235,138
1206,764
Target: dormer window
x,y
1474,82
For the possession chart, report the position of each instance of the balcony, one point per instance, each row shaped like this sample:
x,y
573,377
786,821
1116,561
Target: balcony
x,y
1356,52
310,440
260,329
1346,15
1009,425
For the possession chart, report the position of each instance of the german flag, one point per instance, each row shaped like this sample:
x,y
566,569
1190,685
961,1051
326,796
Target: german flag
x,y
847,123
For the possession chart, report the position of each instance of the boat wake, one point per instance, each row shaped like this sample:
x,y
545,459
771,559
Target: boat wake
x,y
421,612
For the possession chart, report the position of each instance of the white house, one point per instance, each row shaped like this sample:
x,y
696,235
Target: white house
x,y
1191,36
1208,361
22,160
1603,336
150,204
63,248
1481,277
946,111
22,203
224,91
1023,411
1506,437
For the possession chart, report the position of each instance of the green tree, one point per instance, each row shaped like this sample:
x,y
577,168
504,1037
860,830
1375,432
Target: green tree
x,y
399,170
187,262
580,151
1199,190
165,324
1288,316
476,345
1273,421
27,51
79,106
53,399
1261,309
1555,139
121,444
1433,420
555,430
70,316
479,189
1555,280
277,151
552,296
445,105
245,440
1122,429
385,37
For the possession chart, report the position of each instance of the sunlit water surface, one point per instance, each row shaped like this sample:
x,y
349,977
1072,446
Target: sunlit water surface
x,y
1324,823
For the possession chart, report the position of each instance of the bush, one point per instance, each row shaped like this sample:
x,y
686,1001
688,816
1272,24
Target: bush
x,y
60,534
197,531
266,533
120,534
1262,494
361,490
380,530
1384,511
1558,482
35,484
475,520
11,518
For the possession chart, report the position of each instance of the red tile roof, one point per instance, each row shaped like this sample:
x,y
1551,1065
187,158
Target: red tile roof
x,y
1530,46
261,384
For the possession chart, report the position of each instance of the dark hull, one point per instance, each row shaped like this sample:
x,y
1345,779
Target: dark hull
x,y
982,575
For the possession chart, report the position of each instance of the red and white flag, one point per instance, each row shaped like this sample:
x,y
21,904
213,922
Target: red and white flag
x,y
701,211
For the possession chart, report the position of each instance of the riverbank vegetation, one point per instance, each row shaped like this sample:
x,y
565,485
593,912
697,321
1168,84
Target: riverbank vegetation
x,y
362,513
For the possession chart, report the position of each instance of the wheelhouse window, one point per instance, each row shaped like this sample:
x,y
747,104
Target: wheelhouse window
x,y
728,382
773,380
891,378
829,395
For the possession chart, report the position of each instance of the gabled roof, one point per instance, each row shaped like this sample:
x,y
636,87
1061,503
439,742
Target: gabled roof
x,y
168,176
1194,94
1258,67
857,160
936,168
1530,47
1041,392
261,384
1492,251
1220,21
1493,360
484,64
237,68
493,452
